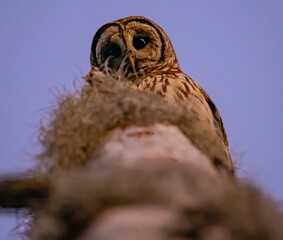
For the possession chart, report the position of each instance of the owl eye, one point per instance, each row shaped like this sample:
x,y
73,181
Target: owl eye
x,y
140,41
112,50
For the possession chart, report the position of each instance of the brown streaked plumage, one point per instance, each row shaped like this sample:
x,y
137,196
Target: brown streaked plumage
x,y
141,50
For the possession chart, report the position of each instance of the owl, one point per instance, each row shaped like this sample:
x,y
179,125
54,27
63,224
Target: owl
x,y
141,50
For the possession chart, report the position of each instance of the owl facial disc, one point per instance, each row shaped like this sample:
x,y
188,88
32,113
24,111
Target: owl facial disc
x,y
135,45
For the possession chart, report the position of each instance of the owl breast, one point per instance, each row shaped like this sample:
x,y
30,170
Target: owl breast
x,y
172,84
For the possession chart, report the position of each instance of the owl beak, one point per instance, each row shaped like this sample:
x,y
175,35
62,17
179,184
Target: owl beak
x,y
132,61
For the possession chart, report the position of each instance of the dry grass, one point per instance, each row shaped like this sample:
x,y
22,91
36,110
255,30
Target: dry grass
x,y
81,121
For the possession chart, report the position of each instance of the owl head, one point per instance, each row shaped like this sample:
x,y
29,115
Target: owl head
x,y
136,44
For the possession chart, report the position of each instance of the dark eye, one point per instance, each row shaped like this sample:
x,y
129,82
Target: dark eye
x,y
140,41
112,50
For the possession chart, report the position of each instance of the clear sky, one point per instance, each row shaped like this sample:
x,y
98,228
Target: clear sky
x,y
233,48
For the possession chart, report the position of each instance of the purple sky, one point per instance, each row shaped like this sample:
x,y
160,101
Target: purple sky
x,y
234,49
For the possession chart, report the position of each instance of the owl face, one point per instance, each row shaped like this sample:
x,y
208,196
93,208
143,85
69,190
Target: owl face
x,y
134,44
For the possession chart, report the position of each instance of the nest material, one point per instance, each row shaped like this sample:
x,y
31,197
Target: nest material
x,y
161,201
201,206
112,201
82,120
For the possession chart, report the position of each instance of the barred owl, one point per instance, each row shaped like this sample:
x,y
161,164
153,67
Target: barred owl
x,y
141,50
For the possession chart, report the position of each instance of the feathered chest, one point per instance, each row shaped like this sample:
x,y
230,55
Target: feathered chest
x,y
171,84
175,85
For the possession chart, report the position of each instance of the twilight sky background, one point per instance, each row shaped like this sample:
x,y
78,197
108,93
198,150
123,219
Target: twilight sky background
x,y
234,49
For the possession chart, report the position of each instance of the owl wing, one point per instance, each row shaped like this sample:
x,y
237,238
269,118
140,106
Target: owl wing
x,y
217,118
187,86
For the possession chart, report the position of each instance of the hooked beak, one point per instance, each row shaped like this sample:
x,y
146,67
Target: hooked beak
x,y
132,61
